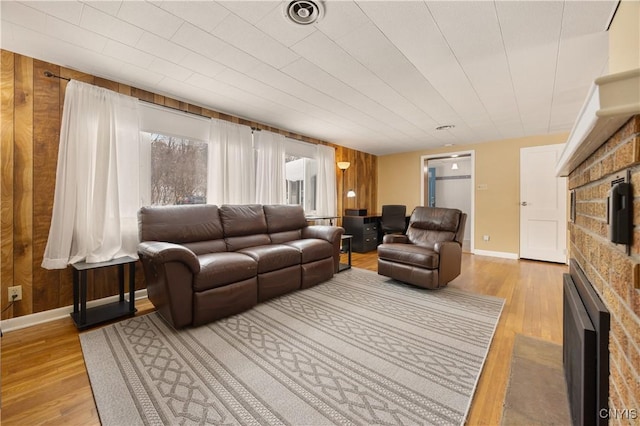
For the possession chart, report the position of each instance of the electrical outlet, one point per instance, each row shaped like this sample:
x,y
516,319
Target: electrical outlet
x,y
485,238
15,293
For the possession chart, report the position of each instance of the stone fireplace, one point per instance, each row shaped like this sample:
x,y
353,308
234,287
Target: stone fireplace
x,y
605,143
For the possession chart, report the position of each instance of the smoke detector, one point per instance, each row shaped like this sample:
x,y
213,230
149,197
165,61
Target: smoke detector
x,y
304,12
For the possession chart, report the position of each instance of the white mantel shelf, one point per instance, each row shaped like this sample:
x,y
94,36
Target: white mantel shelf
x,y
612,100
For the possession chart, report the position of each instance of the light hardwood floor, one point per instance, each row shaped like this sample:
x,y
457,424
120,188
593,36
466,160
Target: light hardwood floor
x,y
44,379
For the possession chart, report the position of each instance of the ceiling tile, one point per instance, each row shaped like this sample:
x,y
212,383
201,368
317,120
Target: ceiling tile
x,y
70,12
170,69
22,15
282,97
25,41
205,15
237,59
132,74
73,34
403,24
309,92
127,54
150,18
341,18
250,39
202,65
306,71
332,59
251,11
586,17
273,24
373,50
534,94
581,60
102,23
529,23
162,48
471,29
110,7
197,40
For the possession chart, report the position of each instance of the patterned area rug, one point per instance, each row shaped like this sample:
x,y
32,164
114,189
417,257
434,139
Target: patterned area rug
x,y
359,349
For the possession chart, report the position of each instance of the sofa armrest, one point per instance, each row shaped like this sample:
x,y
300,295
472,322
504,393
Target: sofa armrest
x,y
162,252
395,238
450,260
328,233
169,271
323,232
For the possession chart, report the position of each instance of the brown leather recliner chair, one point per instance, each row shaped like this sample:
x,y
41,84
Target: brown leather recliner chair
x,y
430,253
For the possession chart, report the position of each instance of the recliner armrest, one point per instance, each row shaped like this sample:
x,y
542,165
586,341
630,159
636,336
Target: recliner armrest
x,y
450,260
442,245
395,238
163,252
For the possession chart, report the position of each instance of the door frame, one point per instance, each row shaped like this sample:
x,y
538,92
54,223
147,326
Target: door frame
x,y
424,173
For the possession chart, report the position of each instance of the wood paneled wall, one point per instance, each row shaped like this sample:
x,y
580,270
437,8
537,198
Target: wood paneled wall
x,y
31,108
361,176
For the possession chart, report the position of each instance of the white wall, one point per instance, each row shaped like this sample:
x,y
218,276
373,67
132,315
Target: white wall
x,y
453,187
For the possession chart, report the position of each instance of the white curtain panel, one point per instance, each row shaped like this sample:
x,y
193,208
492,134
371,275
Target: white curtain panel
x,y
326,191
231,164
97,180
270,168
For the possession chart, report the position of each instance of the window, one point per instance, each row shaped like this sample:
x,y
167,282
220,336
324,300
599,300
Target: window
x,y
178,170
301,175
177,148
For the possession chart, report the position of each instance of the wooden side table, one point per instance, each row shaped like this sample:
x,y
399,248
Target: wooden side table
x,y
345,240
85,318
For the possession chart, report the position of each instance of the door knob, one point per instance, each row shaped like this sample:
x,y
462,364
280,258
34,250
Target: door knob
x,y
524,203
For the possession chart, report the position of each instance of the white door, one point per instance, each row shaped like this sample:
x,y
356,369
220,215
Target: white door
x,y
543,205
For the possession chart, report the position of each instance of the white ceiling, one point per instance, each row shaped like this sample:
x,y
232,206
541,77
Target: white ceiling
x,y
376,76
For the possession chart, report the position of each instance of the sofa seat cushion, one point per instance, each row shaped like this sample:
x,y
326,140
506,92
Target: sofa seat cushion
x,y
218,269
273,256
409,254
312,249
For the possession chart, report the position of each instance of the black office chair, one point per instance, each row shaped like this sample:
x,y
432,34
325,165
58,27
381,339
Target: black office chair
x,y
393,219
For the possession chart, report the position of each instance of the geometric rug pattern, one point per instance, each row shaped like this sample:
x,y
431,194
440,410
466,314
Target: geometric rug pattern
x,y
359,349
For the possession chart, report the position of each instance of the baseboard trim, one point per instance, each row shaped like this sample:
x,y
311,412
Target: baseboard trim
x,y
29,320
501,254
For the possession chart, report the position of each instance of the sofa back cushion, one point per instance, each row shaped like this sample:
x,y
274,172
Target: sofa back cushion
x,y
284,222
244,226
181,225
430,225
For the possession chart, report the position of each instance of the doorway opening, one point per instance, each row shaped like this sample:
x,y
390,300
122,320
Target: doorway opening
x,y
447,180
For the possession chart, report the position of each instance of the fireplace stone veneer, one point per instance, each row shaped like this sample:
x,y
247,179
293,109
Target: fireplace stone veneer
x,y
613,273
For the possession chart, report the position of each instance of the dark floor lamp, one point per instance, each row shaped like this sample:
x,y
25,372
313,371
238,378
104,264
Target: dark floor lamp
x,y
344,165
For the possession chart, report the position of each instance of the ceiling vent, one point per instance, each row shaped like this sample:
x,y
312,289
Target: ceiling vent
x,y
304,12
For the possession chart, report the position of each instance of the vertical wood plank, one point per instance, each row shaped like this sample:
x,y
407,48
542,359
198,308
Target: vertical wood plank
x,y
171,103
124,89
46,136
6,175
76,75
23,184
107,84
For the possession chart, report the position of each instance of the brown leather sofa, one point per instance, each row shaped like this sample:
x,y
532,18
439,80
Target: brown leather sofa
x,y
430,253
203,262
